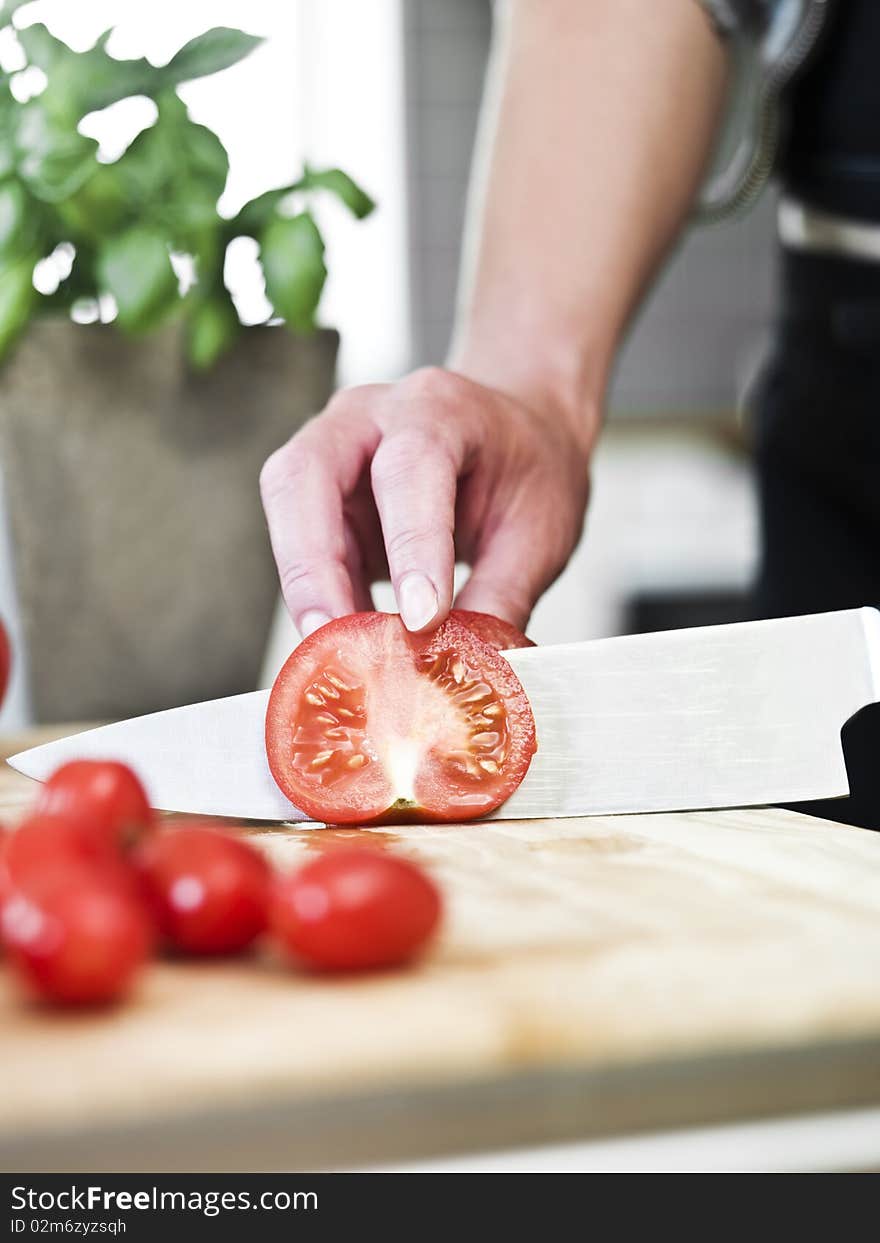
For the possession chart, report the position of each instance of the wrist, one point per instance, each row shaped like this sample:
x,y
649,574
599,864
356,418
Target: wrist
x,y
564,384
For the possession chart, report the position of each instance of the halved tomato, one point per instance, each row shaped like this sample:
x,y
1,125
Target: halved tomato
x,y
501,635
368,723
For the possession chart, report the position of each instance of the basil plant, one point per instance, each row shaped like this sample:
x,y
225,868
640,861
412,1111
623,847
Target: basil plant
x,y
117,225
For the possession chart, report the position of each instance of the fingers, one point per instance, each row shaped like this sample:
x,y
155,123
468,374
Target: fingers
x,y
517,564
414,440
414,475
354,560
414,480
303,486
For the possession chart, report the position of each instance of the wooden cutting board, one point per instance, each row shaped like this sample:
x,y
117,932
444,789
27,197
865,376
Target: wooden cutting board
x,y
594,976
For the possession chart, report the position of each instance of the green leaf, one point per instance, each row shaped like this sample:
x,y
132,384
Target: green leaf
x,y
82,82
256,214
17,298
292,255
8,156
9,107
176,164
172,175
52,159
339,183
99,207
13,213
41,47
213,326
135,268
96,81
199,151
209,53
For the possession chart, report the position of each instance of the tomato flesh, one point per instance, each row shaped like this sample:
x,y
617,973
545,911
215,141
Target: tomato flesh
x,y
368,723
500,634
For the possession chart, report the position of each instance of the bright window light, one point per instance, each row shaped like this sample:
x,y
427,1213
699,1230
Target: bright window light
x,y
326,86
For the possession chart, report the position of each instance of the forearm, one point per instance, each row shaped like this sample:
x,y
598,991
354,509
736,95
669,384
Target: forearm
x,y
607,113
606,116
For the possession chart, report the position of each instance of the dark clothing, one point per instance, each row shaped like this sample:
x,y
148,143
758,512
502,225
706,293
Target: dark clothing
x,y
817,441
807,85
831,154
771,43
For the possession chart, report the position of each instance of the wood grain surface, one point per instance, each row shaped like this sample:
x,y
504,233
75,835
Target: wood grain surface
x,y
593,976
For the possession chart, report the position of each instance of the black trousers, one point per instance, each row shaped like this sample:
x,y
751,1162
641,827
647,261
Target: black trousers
x,y
816,416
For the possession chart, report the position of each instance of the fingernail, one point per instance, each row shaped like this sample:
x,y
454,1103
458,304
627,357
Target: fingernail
x,y
313,620
417,600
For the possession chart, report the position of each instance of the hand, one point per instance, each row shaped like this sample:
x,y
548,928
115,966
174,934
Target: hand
x,y
401,479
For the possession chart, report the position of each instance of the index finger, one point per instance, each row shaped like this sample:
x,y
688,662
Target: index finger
x,y
304,485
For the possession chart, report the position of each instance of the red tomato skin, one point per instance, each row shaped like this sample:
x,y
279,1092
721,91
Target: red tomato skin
x,y
208,891
5,661
354,910
46,853
43,842
83,944
500,634
103,797
5,880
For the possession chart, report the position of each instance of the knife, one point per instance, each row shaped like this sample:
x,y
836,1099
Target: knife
x,y
718,716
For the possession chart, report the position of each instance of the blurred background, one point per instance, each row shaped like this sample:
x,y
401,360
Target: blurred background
x,y
390,91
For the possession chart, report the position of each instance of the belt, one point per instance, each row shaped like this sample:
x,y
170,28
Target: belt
x,y
808,229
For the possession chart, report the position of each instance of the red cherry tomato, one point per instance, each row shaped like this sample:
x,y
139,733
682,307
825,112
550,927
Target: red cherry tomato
x,y
492,630
78,945
48,851
42,842
354,910
5,881
5,661
209,892
103,797
367,723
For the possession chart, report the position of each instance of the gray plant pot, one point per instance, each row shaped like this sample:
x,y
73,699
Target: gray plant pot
x,y
143,566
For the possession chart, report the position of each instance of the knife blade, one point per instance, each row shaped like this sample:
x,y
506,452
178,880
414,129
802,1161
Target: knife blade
x,y
718,716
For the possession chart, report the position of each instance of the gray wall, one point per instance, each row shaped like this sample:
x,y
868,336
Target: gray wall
x,y
445,48
698,337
